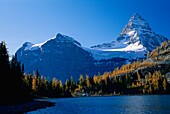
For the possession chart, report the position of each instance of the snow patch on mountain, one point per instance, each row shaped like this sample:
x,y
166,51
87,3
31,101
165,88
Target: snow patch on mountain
x,y
58,38
132,47
134,41
99,54
32,47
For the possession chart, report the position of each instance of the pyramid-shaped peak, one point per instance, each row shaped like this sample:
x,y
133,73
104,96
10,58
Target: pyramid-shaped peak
x,y
136,23
136,35
136,19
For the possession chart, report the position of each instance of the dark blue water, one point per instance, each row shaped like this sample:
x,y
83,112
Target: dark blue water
x,y
107,105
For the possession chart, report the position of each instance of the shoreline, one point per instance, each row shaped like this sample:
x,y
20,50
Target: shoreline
x,y
26,107
111,95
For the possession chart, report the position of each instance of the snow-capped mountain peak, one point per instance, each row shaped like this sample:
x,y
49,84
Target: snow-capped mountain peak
x,y
62,56
136,31
59,38
136,19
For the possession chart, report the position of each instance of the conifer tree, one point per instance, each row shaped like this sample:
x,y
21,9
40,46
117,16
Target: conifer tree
x,y
150,89
4,76
37,78
54,83
139,79
73,84
87,81
164,84
34,86
30,81
147,55
81,81
60,84
143,91
115,79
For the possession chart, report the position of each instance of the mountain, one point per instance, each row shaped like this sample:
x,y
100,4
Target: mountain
x,y
152,76
136,36
60,57
63,56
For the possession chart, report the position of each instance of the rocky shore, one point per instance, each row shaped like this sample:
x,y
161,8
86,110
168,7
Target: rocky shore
x,y
25,107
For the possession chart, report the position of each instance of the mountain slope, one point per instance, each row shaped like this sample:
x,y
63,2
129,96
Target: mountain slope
x,y
60,57
63,57
136,36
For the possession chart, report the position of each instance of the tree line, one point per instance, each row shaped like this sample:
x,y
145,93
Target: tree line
x,y
12,86
17,86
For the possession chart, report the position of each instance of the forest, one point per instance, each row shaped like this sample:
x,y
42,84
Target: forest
x,y
136,78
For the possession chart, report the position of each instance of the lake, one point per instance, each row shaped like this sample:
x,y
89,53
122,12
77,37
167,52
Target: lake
x,y
114,104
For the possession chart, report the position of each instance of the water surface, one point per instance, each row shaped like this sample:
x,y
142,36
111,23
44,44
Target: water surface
x,y
115,104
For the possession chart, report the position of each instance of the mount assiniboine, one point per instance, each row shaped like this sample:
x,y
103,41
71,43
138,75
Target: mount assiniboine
x,y
63,57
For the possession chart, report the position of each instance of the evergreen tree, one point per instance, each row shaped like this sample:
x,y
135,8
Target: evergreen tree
x,y
139,79
12,85
37,78
34,86
73,84
164,84
87,81
5,82
81,81
92,85
147,55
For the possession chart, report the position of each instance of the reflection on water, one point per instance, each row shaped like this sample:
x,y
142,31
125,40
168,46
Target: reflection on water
x,y
115,104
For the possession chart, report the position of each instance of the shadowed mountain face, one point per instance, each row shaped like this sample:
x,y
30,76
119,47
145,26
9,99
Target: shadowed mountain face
x,y
63,57
59,57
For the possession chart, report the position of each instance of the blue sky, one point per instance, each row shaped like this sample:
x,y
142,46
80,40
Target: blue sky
x,y
88,21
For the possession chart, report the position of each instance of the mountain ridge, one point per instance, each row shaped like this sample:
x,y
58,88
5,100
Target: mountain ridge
x,y
58,38
63,56
60,57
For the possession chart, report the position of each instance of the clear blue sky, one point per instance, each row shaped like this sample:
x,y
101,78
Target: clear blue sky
x,y
88,21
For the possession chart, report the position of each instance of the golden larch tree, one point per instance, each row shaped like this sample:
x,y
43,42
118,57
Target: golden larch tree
x,y
164,84
87,81
34,82
147,55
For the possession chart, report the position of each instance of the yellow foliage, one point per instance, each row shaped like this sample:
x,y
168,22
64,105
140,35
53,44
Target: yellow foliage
x,y
150,89
164,84
87,81
143,91
95,79
148,55
34,82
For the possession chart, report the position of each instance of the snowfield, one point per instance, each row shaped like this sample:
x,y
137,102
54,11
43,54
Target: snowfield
x,y
99,54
